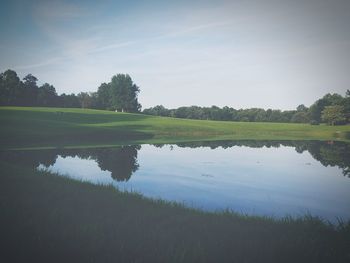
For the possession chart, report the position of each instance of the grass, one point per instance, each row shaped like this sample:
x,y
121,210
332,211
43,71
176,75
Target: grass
x,y
49,218
57,127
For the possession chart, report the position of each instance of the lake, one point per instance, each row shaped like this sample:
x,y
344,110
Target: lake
x,y
267,178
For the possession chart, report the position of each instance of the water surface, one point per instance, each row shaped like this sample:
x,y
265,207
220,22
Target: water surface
x,y
251,177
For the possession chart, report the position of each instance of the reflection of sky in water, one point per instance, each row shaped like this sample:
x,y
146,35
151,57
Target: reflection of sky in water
x,y
80,169
263,181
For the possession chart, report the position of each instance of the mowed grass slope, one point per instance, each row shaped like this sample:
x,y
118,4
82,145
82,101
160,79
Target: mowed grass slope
x,y
52,127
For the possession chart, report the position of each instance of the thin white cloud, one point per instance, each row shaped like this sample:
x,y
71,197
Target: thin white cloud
x,y
174,33
39,64
111,46
195,28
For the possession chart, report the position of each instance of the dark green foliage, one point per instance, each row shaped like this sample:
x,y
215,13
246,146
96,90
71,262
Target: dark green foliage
x,y
222,114
10,88
88,100
120,94
104,97
14,92
30,90
302,108
327,100
346,104
47,96
69,101
334,115
300,117
158,110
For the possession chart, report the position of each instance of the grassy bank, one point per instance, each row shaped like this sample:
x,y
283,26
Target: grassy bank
x,y
48,218
52,127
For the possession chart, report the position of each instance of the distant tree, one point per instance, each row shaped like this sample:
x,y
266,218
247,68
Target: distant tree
x,y
301,117
104,96
10,88
120,94
302,108
261,116
30,91
276,116
215,113
47,95
287,115
69,101
94,100
327,100
346,104
334,115
226,114
158,110
124,93
181,112
85,100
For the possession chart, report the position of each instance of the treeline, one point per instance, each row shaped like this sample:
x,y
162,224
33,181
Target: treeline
x,y
119,94
332,109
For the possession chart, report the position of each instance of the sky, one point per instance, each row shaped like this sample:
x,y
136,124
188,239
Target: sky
x,y
243,54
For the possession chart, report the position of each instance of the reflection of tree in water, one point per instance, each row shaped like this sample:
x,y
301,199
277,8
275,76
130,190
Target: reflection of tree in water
x,y
121,162
332,154
327,153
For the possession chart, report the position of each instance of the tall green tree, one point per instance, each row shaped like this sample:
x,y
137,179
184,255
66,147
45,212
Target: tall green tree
x,y
334,115
47,95
302,108
10,88
104,96
120,94
30,90
124,93
327,100
346,105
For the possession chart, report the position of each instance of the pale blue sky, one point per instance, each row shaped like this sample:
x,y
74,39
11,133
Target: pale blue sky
x,y
270,54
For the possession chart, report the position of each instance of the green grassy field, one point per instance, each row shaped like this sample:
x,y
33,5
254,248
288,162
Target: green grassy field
x,y
56,127
49,218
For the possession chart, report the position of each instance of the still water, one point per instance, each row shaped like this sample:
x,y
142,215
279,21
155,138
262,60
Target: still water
x,y
252,177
